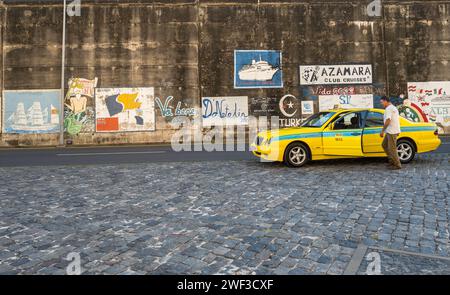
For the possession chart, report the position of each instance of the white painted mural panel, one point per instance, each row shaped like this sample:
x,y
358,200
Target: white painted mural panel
x,y
124,109
433,102
336,74
345,101
223,111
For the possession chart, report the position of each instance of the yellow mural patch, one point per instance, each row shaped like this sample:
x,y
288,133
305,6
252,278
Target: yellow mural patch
x,y
129,101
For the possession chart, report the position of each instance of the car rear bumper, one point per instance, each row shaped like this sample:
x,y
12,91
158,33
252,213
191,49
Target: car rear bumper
x,y
428,145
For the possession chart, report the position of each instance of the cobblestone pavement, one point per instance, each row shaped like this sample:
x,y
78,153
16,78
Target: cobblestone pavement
x,y
222,217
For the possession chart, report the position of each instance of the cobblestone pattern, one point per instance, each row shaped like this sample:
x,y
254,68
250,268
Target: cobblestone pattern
x,y
219,217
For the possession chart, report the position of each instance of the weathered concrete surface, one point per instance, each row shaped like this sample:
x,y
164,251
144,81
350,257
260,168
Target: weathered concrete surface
x,y
185,48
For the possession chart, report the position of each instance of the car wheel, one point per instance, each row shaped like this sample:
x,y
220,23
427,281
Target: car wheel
x,y
296,155
406,151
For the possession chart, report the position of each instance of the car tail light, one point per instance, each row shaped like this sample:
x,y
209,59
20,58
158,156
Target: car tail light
x,y
436,132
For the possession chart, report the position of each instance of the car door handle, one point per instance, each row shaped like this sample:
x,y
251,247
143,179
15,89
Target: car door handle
x,y
355,133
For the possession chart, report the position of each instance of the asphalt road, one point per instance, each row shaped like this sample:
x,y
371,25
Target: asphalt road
x,y
123,154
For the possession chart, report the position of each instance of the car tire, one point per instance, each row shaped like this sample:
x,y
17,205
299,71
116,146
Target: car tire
x,y
296,155
406,151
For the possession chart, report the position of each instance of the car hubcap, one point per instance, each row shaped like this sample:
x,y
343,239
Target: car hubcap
x,y
404,151
297,155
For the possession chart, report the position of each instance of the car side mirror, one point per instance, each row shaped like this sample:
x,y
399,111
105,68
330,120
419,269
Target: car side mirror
x,y
332,126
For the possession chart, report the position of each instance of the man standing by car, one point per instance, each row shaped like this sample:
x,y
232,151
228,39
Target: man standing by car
x,y
390,132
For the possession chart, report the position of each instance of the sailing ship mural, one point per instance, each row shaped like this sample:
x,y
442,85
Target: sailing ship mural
x,y
31,111
257,69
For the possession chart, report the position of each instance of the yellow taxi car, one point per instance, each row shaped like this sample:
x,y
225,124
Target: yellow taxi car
x,y
338,134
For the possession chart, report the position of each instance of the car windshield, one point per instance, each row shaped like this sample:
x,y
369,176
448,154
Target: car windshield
x,y
318,120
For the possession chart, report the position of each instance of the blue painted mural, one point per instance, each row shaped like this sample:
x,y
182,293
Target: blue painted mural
x,y
258,69
31,111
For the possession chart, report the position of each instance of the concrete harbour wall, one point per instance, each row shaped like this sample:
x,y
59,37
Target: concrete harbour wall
x,y
186,50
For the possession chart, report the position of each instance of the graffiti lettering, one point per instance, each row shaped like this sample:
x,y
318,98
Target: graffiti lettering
x,y
221,111
335,74
335,90
346,71
184,111
327,102
218,109
344,99
440,111
166,109
290,122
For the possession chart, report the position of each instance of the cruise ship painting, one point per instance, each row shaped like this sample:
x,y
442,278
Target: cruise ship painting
x,y
34,119
258,71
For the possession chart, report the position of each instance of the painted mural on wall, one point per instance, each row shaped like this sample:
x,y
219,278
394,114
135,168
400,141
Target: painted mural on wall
x,y
290,111
258,69
307,107
433,99
345,101
411,111
176,112
125,109
223,111
313,92
31,111
79,110
335,74
263,106
287,109
167,110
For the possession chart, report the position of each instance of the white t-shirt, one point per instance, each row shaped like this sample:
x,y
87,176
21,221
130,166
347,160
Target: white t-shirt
x,y
391,112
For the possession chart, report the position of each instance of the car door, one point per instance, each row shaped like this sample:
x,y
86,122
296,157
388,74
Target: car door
x,y
371,134
344,136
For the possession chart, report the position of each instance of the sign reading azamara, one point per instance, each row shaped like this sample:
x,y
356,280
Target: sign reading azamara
x,y
335,74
